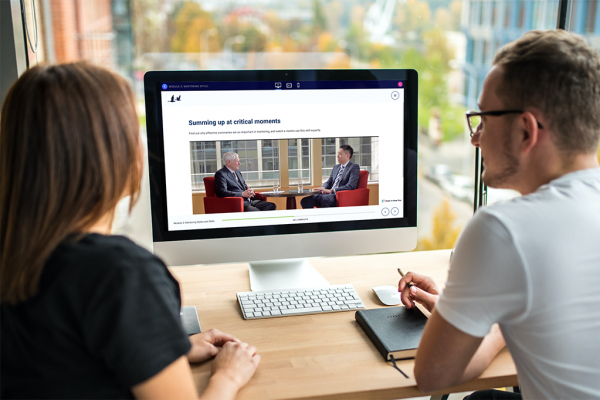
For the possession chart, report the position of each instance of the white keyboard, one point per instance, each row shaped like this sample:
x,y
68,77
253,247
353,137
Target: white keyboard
x,y
279,303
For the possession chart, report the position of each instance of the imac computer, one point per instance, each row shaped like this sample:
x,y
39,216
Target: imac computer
x,y
286,126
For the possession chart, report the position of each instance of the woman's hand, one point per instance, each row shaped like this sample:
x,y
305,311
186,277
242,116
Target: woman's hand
x,y
235,363
208,344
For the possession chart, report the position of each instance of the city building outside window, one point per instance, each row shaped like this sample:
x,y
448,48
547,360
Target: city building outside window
x,y
450,44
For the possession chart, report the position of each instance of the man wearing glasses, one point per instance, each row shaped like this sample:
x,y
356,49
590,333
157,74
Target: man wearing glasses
x,y
526,273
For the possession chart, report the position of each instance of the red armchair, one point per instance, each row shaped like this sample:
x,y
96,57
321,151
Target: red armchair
x,y
214,204
356,197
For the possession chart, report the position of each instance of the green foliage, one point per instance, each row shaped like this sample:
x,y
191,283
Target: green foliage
x,y
453,121
319,19
422,44
190,21
432,65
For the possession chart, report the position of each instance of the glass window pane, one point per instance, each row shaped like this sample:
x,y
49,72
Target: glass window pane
x,y
452,55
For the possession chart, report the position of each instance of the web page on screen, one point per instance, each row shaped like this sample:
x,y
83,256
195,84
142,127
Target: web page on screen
x,y
196,113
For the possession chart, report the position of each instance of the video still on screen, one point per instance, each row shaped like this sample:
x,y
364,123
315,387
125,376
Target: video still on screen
x,y
236,158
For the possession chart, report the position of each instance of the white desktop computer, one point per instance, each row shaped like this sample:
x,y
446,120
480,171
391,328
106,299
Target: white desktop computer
x,y
296,117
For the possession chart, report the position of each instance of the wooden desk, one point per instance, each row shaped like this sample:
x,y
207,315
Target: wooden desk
x,y
323,356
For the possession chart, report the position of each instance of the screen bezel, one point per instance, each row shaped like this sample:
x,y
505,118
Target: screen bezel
x,y
152,82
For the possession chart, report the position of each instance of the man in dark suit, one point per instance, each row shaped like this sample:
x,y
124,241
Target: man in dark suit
x,y
229,183
343,177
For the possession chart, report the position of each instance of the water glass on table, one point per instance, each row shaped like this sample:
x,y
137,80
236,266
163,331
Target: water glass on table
x,y
300,187
276,187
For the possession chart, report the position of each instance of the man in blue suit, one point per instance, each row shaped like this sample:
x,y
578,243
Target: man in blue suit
x,y
343,177
229,183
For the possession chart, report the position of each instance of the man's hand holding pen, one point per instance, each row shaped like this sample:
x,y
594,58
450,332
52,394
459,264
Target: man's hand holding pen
x,y
418,288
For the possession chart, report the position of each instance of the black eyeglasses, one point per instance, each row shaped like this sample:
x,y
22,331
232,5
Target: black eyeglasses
x,y
474,118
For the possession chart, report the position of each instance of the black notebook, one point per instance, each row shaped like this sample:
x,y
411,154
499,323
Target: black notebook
x,y
394,331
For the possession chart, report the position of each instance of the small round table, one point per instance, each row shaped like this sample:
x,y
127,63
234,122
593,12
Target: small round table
x,y
290,195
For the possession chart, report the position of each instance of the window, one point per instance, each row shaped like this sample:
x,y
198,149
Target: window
x,y
591,15
299,161
574,14
538,17
484,52
474,12
592,18
495,14
521,17
329,156
482,13
450,52
507,16
365,154
205,162
270,163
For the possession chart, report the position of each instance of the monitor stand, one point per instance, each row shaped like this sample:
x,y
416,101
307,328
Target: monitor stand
x,y
284,274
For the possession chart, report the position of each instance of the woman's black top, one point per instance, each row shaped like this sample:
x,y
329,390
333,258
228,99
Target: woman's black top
x,y
106,317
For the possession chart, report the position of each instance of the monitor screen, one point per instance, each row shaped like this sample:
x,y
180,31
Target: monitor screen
x,y
286,129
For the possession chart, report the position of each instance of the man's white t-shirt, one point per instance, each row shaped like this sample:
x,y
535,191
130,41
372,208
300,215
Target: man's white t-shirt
x,y
533,266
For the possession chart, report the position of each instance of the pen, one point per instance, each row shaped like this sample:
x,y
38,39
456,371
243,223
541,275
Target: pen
x,y
409,284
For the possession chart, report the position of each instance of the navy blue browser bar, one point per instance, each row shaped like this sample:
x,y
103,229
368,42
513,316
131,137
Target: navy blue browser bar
x,y
280,85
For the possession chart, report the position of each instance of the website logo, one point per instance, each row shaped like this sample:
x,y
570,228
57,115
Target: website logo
x,y
174,99
164,86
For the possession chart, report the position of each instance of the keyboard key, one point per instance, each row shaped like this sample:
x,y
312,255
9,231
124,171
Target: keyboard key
x,y
327,308
301,311
258,314
275,312
353,301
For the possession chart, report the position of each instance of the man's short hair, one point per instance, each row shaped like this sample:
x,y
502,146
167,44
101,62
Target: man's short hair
x,y
558,73
229,156
348,149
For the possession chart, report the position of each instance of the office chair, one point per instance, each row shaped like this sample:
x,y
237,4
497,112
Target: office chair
x,y
356,197
214,204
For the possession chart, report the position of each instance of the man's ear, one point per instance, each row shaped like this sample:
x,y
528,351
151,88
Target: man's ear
x,y
530,135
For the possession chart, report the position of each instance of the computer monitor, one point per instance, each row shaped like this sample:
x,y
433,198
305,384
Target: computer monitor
x,y
286,126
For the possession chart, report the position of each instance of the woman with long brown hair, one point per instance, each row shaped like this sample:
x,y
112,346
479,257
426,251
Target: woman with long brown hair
x,y
86,314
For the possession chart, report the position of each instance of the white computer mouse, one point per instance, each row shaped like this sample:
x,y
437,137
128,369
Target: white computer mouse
x,y
387,294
